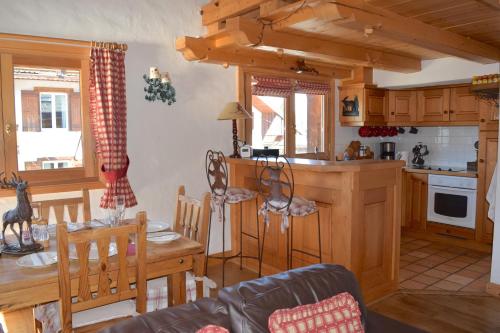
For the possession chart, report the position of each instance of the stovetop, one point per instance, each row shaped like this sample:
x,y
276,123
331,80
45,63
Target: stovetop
x,y
437,168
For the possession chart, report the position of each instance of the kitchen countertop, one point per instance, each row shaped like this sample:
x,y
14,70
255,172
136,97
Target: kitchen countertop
x,y
470,174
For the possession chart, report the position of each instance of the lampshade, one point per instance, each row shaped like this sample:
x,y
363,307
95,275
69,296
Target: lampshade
x,y
232,111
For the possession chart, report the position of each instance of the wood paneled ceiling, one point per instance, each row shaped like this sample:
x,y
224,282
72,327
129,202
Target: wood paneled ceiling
x,y
337,35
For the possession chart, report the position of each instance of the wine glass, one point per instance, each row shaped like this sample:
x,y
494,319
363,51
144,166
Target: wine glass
x,y
119,207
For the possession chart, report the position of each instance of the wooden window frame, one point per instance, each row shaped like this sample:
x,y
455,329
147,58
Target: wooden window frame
x,y
245,98
20,50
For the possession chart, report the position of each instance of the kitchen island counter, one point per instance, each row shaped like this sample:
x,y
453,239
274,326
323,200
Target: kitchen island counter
x,y
360,218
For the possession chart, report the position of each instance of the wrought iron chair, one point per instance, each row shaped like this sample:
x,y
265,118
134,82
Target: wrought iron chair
x,y
222,194
276,186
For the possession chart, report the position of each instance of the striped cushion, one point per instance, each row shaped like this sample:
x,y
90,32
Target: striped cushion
x,y
338,314
239,194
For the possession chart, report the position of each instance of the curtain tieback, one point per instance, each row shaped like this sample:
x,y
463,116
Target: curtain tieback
x,y
112,176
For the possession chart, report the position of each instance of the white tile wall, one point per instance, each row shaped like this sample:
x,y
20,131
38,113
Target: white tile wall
x,y
448,146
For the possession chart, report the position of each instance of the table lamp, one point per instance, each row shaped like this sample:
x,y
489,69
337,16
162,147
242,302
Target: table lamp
x,y
234,111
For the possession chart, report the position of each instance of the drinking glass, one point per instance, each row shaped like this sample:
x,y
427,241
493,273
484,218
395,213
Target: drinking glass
x,y
120,208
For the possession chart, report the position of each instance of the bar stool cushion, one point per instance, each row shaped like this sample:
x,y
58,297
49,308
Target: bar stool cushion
x,y
239,194
298,207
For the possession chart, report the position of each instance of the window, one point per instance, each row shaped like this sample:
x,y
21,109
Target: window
x,y
289,114
44,94
54,110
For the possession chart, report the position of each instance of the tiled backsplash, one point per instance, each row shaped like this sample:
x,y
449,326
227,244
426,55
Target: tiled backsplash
x,y
448,146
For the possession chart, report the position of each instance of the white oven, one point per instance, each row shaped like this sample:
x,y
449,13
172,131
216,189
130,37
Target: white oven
x,y
452,200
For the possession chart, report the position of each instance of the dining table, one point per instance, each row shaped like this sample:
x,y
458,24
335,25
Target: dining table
x,y
22,288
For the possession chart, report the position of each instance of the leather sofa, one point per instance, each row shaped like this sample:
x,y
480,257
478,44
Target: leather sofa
x,y
245,307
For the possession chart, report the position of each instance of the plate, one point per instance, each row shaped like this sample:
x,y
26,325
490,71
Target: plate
x,y
163,237
38,260
156,226
75,226
94,254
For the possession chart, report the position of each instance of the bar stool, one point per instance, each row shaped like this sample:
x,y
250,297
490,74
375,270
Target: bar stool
x,y
222,194
276,186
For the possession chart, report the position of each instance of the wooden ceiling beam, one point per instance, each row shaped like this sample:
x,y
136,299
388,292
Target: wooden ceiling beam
x,y
245,32
219,10
358,15
204,50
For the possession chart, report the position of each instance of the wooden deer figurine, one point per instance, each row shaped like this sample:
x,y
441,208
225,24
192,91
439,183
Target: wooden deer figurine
x,y
19,215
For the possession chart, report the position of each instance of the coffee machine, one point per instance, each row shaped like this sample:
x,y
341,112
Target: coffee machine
x,y
388,150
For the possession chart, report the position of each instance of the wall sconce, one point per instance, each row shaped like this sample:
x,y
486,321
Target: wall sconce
x,y
158,87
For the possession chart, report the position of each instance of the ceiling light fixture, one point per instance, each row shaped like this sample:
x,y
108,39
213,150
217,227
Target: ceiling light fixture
x,y
303,68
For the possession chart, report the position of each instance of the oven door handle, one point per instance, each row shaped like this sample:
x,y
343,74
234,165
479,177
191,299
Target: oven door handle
x,y
452,188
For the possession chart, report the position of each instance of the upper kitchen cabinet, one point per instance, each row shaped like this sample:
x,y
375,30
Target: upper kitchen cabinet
x,y
464,105
447,106
433,105
402,107
362,104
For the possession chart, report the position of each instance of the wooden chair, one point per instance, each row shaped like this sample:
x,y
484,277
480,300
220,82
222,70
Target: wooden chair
x,y
93,283
191,220
59,205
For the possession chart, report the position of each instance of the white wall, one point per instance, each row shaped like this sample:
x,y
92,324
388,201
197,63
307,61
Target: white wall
x,y
445,70
166,144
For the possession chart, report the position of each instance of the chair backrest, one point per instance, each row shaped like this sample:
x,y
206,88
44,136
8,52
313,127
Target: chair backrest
x,y
192,216
216,169
93,281
275,181
59,205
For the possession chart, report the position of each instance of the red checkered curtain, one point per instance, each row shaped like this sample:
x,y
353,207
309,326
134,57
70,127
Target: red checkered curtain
x,y
108,114
272,86
312,88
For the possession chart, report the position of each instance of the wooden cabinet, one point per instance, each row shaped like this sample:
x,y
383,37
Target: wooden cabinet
x,y
415,201
488,116
488,149
464,105
361,104
402,105
433,105
428,106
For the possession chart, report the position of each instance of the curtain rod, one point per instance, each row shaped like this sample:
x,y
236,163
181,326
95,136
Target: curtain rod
x,y
59,41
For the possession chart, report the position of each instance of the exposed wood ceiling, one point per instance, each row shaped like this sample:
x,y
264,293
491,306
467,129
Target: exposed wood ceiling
x,y
336,35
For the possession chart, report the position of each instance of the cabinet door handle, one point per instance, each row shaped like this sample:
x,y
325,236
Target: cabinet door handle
x,y
8,129
481,160
451,111
392,113
445,112
483,120
181,261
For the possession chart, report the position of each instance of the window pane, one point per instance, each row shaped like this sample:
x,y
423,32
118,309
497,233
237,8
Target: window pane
x,y
48,116
268,122
61,111
309,123
46,110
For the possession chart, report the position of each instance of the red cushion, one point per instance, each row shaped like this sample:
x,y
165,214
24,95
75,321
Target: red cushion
x,y
212,329
337,314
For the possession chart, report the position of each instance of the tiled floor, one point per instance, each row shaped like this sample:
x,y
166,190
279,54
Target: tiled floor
x,y
431,266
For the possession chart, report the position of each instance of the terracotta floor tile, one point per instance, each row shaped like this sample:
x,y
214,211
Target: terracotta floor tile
x,y
485,277
425,279
469,274
437,246
427,263
428,250
437,259
476,254
479,268
403,263
462,280
421,242
446,255
456,263
416,268
437,273
409,258
486,259
447,268
405,274
409,284
419,254
476,286
411,246
457,250
448,285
